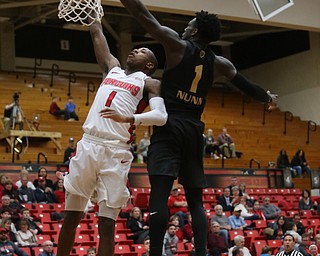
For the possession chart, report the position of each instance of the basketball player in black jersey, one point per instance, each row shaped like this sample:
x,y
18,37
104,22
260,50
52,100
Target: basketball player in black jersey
x,y
176,148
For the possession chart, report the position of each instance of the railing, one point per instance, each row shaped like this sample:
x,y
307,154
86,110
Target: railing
x,y
312,126
37,63
244,101
72,79
265,109
256,161
54,72
44,156
90,88
222,152
288,116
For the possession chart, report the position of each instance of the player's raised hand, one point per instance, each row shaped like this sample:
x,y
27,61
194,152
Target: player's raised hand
x,y
115,116
273,104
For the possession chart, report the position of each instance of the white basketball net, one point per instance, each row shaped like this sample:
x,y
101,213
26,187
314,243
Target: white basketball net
x,y
85,11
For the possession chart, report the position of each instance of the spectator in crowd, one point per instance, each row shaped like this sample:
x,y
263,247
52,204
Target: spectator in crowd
x,y
246,212
211,146
5,199
216,243
178,205
170,242
243,191
226,144
3,179
144,145
300,227
256,210
25,236
25,193
317,241
237,251
44,194
54,108
223,223
269,210
59,191
289,247
11,191
69,151
42,172
187,230
70,109
13,115
283,160
236,221
305,202
7,224
278,227
34,228
174,219
266,251
137,226
8,247
234,183
134,147
6,214
225,200
304,245
300,164
291,228
146,244
25,174
48,249
239,242
235,196
91,251
313,250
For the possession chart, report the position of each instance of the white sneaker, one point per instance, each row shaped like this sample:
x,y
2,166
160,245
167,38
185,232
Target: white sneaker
x,y
215,157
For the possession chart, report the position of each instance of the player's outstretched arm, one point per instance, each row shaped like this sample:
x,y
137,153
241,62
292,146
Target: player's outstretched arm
x,y
156,116
174,46
224,67
105,59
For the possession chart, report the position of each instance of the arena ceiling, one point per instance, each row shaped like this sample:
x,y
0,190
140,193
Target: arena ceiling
x,y
44,13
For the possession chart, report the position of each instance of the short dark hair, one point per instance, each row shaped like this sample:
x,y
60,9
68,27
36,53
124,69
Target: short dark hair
x,y
266,249
209,25
236,251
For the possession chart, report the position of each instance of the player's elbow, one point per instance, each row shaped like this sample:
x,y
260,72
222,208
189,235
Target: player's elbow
x,y
162,118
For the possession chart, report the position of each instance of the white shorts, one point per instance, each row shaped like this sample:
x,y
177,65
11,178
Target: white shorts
x,y
100,166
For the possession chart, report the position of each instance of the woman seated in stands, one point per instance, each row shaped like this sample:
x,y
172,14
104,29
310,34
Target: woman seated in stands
x,y
3,178
137,226
8,225
246,212
60,191
10,191
25,236
283,160
174,219
300,164
257,211
279,228
305,202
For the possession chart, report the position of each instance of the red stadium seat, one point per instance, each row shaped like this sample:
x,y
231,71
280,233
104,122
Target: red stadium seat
x,y
258,245
123,250
234,233
42,238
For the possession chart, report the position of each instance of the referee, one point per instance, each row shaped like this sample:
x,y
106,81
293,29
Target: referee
x,y
288,243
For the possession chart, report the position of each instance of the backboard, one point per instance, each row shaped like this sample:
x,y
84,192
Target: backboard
x,y
269,8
